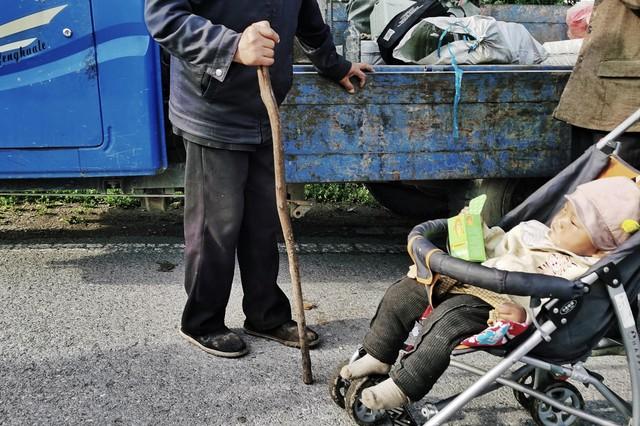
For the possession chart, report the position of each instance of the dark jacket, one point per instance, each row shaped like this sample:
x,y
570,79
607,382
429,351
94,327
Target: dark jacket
x,y
604,87
215,98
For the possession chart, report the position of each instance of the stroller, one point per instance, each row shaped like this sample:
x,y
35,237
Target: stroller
x,y
575,316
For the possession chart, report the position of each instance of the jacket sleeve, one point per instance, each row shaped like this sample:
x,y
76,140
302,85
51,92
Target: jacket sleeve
x,y
317,43
192,38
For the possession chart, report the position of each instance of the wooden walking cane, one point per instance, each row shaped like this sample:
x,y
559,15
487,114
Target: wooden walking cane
x,y
266,93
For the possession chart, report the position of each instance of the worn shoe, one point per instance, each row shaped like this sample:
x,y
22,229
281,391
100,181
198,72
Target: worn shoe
x,y
287,334
224,343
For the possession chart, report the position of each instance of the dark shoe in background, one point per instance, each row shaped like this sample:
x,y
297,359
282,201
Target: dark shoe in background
x,y
287,334
224,343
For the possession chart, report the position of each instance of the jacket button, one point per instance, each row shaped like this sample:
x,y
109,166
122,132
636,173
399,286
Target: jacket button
x,y
218,72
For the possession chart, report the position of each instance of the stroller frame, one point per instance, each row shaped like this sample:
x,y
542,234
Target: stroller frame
x,y
491,380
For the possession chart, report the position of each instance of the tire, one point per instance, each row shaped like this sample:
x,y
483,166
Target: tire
x,y
426,201
545,415
438,199
358,412
338,386
523,399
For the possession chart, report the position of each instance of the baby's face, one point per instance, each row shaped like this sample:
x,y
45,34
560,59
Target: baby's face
x,y
568,233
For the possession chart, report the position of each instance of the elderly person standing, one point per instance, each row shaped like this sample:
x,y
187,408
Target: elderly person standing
x,y
604,88
215,105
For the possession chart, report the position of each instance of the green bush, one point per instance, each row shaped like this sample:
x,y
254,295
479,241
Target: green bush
x,y
352,193
88,198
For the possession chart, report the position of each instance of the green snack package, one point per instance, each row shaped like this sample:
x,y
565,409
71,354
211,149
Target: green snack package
x,y
466,238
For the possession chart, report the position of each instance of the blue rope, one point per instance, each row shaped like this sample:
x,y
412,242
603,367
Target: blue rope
x,y
457,70
456,99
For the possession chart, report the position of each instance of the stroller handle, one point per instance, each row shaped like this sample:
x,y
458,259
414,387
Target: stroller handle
x,y
496,280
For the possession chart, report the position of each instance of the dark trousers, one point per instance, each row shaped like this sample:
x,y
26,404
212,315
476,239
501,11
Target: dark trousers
x,y
230,208
455,318
582,139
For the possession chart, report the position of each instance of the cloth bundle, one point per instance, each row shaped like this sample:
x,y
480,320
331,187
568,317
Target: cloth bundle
x,y
482,40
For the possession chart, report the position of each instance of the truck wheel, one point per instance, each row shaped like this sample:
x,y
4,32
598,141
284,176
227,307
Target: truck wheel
x,y
420,202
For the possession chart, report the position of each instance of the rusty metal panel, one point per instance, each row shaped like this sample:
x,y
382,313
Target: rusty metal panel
x,y
401,126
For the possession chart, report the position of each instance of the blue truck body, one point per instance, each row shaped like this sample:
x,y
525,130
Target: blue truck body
x,y
81,98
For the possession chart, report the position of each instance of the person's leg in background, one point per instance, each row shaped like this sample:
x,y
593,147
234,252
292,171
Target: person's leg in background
x,y
581,139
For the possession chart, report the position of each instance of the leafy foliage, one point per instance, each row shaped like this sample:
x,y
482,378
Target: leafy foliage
x,y
86,198
352,193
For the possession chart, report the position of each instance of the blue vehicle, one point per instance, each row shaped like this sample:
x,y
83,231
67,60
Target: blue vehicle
x,y
82,104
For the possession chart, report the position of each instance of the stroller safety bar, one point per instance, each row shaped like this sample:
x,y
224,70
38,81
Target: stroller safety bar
x,y
499,281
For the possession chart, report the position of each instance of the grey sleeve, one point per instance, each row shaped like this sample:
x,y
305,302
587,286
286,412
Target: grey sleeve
x,y
190,37
317,43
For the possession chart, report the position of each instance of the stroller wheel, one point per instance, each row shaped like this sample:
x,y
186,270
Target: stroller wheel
x,y
523,399
356,409
338,386
546,415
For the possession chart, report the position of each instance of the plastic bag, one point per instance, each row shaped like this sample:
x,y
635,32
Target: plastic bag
x,y
578,17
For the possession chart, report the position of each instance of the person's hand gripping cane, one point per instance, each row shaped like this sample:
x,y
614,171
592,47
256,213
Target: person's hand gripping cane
x,y
257,45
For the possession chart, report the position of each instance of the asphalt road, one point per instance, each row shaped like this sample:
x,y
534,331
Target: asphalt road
x,y
88,334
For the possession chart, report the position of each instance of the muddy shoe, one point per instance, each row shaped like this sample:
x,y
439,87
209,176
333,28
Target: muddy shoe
x,y
224,343
287,334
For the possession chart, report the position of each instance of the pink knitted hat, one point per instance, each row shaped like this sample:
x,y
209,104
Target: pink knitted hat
x,y
602,205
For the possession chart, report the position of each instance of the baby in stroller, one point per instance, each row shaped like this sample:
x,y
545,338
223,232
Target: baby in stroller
x,y
596,218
